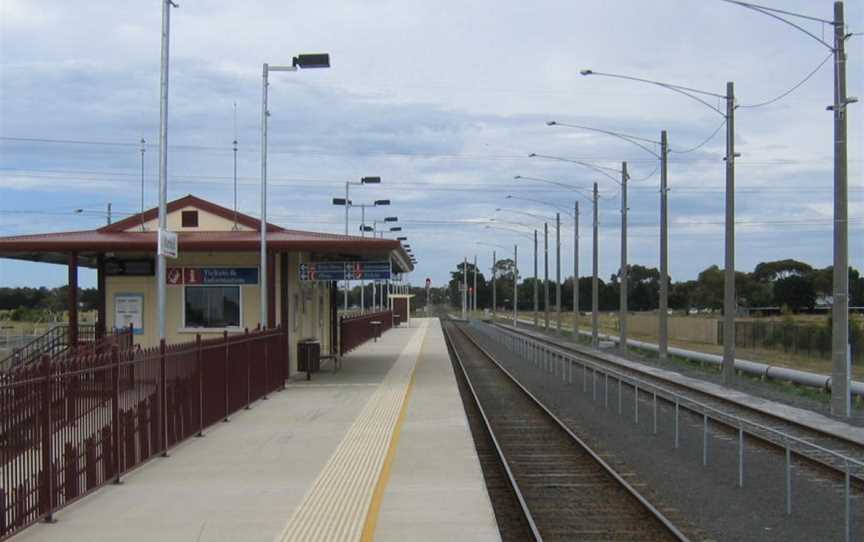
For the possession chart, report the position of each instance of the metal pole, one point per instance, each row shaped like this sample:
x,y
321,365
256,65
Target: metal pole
x,y
142,183
576,270
347,282
262,287
465,288
108,216
234,143
663,344
595,286
515,285
536,285
546,273
840,374
622,309
362,282
494,297
729,307
558,269
474,295
163,165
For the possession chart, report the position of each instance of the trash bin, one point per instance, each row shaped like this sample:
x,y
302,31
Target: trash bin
x,y
309,355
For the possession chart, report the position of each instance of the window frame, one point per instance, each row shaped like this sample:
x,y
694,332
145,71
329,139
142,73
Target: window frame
x,y
189,213
187,329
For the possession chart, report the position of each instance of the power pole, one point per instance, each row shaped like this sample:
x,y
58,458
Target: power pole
x,y
515,286
465,288
494,274
161,267
622,274
474,294
108,216
558,269
546,273
663,344
840,353
595,286
729,301
576,270
536,285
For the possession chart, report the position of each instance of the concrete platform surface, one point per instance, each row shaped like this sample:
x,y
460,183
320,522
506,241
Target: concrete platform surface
x,y
251,479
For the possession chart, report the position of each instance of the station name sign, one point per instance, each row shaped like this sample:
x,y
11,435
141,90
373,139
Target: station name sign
x,y
329,271
211,275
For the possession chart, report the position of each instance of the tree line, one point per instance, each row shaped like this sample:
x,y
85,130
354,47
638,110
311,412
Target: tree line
x,y
787,285
33,304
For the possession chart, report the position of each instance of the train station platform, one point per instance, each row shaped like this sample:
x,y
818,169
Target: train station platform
x,y
380,450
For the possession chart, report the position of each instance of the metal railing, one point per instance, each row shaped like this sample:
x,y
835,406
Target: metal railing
x,y
542,354
55,343
354,331
68,427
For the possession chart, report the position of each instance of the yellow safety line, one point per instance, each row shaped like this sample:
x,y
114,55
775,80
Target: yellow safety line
x,y
384,476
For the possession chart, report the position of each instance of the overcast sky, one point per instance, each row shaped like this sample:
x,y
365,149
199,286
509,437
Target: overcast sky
x,y
444,101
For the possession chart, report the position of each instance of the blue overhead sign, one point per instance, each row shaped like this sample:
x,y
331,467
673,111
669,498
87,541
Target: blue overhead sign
x,y
329,271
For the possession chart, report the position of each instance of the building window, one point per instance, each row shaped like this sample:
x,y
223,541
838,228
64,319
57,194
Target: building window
x,y
189,219
212,306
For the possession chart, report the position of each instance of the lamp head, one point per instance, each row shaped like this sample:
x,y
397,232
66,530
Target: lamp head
x,y
391,219
401,238
340,201
532,155
551,123
371,180
318,60
586,72
397,228
382,202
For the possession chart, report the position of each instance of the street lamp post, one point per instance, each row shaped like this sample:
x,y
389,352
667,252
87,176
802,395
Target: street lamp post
x,y
546,273
595,285
729,298
663,304
299,61
347,203
558,269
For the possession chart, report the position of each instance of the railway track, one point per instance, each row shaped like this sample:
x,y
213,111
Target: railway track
x,y
819,446
564,490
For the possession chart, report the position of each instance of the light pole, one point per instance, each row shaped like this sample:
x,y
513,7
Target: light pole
x,y
494,271
729,298
142,150
347,204
595,285
515,266
840,353
363,206
299,61
622,274
161,267
663,304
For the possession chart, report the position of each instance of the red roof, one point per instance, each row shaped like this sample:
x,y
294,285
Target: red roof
x,y
112,238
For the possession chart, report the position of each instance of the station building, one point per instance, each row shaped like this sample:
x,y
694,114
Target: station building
x,y
213,285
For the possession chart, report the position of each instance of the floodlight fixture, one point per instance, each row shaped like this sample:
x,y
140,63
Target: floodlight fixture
x,y
391,219
340,201
397,228
371,180
401,238
382,202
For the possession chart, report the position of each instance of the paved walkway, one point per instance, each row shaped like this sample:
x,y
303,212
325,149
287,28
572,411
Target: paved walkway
x,y
307,464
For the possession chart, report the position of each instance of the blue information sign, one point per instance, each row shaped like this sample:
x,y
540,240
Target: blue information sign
x,y
329,271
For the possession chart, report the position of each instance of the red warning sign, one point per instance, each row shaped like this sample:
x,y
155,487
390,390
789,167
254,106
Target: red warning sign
x,y
174,276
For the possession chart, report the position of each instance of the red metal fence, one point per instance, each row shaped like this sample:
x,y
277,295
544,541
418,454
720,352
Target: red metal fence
x,y
68,427
356,330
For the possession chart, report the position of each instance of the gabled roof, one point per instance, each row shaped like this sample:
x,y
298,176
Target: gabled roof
x,y
54,247
188,201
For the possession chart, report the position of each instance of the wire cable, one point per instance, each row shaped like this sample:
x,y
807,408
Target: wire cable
x,y
705,142
793,89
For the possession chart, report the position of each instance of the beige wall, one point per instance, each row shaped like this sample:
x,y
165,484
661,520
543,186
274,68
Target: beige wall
x,y
310,318
206,222
703,330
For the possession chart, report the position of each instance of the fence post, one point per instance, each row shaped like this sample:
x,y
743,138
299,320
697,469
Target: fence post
x,y
47,463
266,386
199,360
225,340
115,412
163,400
248,367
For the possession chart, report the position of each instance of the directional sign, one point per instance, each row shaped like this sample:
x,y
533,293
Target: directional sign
x,y
330,271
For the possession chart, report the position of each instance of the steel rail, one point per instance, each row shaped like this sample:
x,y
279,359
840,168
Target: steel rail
x,y
657,514
513,483
597,362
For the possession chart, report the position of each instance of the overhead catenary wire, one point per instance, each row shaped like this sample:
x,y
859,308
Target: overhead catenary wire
x,y
791,90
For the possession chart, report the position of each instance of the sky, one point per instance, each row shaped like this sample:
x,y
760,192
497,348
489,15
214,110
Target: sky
x,y
444,101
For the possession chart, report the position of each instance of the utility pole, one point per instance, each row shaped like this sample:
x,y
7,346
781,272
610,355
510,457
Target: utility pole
x,y
465,288
234,148
595,286
729,300
474,294
663,320
142,183
622,275
840,353
536,285
576,270
108,216
262,287
515,286
558,269
546,273
161,267
494,273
